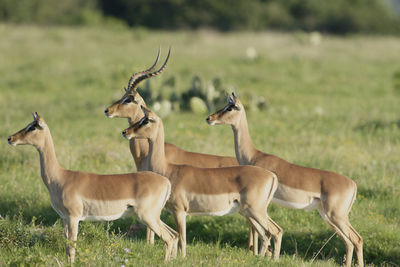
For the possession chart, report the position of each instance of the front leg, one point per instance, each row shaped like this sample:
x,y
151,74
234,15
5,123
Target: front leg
x,y
180,220
71,234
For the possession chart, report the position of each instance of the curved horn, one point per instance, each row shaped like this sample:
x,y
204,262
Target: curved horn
x,y
136,82
138,74
33,116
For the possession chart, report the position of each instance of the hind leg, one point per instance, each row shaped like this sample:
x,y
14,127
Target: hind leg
x,y
266,224
253,239
346,232
149,236
260,231
158,227
175,234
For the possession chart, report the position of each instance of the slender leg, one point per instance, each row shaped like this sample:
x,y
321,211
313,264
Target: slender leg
x,y
180,219
270,226
250,243
350,237
358,243
71,234
158,227
253,239
149,236
175,235
261,232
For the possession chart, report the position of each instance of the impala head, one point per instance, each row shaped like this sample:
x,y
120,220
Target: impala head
x,y
145,128
230,114
32,134
129,105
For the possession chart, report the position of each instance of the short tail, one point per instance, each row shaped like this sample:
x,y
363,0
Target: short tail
x,y
354,197
273,188
168,194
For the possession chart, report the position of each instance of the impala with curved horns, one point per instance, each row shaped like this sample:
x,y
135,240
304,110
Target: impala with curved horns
x,y
80,196
300,187
210,191
129,107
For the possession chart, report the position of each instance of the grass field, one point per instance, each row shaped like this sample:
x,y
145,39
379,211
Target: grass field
x,y
331,106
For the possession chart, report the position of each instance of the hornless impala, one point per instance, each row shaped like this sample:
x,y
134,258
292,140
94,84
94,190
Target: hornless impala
x,y
129,107
79,196
300,187
210,191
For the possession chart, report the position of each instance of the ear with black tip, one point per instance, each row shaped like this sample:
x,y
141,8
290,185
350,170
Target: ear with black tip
x,y
39,120
234,97
231,99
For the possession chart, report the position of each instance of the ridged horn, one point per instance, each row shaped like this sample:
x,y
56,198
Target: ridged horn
x,y
136,82
138,74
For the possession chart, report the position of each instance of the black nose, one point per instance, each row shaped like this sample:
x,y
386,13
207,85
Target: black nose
x,y
9,139
124,132
208,119
106,111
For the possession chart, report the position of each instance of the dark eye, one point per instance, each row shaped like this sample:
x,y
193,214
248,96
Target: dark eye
x,y
229,108
30,128
144,122
127,100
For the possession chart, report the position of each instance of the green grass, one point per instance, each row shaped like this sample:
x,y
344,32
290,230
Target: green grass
x,y
331,106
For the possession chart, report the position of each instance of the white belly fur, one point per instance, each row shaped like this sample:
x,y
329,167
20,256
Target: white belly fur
x,y
294,198
126,213
95,210
298,206
231,210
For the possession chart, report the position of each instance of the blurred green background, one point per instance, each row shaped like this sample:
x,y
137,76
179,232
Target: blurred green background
x,y
339,16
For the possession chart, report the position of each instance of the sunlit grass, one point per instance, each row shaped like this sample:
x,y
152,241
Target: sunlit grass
x,y
331,106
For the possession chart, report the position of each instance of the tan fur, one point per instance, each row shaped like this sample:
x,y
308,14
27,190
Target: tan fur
x,y
77,196
247,189
140,148
331,193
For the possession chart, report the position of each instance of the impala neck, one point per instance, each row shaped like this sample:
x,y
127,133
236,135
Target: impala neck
x,y
156,159
244,147
139,147
139,150
49,167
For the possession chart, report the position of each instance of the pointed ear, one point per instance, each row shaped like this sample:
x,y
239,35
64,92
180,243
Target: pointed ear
x,y
39,120
231,100
234,98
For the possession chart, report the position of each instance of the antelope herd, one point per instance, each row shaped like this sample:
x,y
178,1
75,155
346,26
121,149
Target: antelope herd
x,y
189,183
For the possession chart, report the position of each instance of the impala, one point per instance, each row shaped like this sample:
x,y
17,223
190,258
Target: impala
x,y
210,191
299,187
78,196
129,107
